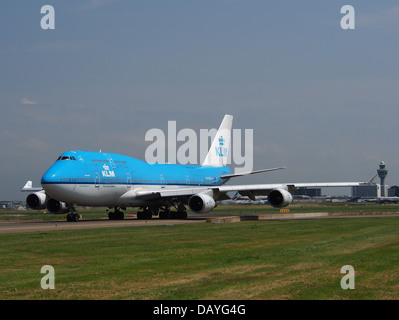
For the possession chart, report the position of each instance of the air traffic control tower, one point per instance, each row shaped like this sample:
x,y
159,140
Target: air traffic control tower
x,y
382,173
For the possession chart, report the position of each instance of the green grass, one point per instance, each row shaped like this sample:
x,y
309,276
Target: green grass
x,y
298,259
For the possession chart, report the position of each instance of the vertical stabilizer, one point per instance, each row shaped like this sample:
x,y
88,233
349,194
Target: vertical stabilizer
x,y
218,153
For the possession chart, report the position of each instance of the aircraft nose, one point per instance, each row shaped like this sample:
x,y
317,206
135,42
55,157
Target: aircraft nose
x,y
50,176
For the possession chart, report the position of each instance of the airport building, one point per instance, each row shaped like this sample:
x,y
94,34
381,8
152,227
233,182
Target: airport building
x,y
367,191
375,190
393,191
11,205
310,192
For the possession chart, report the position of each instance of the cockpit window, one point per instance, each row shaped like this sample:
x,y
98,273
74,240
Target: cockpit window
x,y
63,158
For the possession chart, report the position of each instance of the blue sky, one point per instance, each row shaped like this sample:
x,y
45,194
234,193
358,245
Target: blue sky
x,y
321,100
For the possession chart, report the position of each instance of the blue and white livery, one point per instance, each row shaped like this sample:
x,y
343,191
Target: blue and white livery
x,y
117,181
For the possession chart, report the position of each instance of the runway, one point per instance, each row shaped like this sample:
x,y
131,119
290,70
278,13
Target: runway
x,y
33,226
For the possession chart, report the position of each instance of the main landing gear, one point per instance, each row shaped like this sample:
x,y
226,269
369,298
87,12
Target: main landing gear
x,y
163,213
147,213
116,214
180,213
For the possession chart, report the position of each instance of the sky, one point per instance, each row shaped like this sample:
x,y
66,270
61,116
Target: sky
x,y
321,100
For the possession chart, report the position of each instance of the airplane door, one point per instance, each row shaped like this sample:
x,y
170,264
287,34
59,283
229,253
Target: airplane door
x,y
97,180
128,180
162,181
187,180
111,162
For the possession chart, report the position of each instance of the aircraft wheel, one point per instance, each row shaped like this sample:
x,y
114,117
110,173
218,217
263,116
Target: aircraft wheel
x,y
164,214
72,217
181,215
116,215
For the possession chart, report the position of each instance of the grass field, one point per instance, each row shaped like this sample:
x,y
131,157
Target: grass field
x,y
297,259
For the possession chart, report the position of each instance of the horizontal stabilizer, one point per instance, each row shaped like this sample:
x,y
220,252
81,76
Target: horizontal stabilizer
x,y
228,176
28,187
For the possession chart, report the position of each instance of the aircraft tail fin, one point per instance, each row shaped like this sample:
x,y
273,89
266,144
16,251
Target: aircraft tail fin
x,y
218,153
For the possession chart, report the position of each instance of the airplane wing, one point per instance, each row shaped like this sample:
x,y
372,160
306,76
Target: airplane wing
x,y
265,189
202,199
220,192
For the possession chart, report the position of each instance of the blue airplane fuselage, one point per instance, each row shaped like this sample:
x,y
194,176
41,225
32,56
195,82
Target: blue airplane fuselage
x,y
79,176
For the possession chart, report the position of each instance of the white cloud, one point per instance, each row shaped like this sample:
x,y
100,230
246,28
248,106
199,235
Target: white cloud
x,y
27,101
93,4
383,18
59,46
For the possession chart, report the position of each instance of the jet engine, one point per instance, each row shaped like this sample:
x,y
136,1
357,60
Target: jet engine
x,y
55,206
201,203
279,198
36,200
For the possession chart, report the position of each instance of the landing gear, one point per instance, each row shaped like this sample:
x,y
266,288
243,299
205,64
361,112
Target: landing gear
x,y
147,213
180,213
72,215
164,212
116,214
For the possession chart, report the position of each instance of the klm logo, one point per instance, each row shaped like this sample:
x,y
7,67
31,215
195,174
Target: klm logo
x,y
108,173
221,150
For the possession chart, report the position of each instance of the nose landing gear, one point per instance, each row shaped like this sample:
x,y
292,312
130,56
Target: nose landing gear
x,y
72,215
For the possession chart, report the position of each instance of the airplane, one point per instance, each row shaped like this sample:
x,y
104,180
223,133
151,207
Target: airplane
x,y
383,200
84,178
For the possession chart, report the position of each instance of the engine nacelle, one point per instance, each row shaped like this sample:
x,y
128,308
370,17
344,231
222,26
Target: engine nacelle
x,y
201,203
279,198
36,200
55,206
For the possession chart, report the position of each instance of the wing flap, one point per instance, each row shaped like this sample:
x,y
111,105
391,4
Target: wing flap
x,y
264,189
